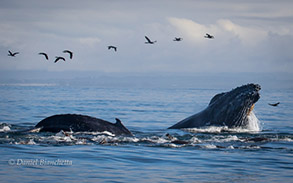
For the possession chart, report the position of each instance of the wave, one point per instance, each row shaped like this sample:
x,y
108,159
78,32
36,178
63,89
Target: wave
x,y
204,138
28,84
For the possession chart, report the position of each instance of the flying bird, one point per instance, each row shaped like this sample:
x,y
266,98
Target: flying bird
x,y
112,47
149,41
275,104
177,39
59,58
12,54
209,36
70,53
45,54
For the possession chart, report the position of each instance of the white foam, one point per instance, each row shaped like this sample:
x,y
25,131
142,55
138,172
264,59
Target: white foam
x,y
101,138
81,142
5,129
253,126
195,140
130,139
253,122
31,142
97,133
230,147
155,139
209,129
109,139
63,137
108,133
228,138
172,145
210,146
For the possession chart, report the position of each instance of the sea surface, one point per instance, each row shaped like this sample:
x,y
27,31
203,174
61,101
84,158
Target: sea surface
x,y
200,155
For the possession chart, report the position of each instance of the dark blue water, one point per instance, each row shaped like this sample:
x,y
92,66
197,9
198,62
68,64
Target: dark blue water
x,y
209,155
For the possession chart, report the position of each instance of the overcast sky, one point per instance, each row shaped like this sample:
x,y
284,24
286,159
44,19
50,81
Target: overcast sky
x,y
250,35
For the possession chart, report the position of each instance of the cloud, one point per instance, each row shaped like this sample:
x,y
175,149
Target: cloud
x,y
223,27
89,41
190,29
248,35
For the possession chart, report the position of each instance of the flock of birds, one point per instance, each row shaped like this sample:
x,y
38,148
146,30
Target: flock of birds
x,y
148,41
58,58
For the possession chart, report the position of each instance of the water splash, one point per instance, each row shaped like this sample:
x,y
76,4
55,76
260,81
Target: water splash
x,y
253,126
253,123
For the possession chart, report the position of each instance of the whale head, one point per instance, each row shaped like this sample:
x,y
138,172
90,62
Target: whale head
x,y
233,108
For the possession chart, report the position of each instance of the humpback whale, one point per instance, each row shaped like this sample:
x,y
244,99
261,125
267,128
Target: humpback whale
x,y
80,123
231,109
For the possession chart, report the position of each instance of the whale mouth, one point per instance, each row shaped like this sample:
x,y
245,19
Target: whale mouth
x,y
240,103
250,110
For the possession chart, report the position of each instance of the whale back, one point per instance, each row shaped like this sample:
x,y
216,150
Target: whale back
x,y
80,123
216,97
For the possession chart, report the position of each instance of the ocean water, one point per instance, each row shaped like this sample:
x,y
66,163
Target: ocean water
x,y
207,155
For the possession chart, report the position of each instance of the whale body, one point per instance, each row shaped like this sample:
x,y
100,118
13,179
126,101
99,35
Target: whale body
x,y
81,123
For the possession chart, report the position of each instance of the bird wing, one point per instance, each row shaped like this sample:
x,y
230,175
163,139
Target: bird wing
x,y
58,58
70,53
44,55
114,47
10,52
147,39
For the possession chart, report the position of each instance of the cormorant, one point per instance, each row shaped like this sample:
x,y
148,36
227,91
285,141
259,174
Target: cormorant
x,y
70,53
112,47
59,58
149,41
177,39
275,104
209,36
12,54
45,54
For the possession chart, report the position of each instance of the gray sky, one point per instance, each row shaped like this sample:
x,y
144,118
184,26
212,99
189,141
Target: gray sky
x,y
250,35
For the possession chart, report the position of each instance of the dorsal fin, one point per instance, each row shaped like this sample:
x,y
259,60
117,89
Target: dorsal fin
x,y
216,97
118,122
